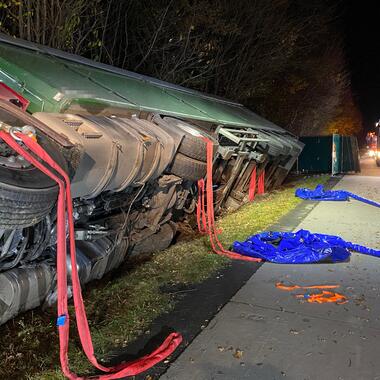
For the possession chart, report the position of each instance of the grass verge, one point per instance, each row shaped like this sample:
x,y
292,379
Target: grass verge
x,y
122,306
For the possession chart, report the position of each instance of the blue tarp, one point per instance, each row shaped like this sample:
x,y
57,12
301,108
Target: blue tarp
x,y
301,247
320,194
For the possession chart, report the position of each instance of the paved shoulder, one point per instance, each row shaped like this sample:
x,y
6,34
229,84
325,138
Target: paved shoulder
x,y
265,333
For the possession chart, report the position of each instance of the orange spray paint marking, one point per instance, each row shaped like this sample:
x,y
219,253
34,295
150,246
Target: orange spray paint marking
x,y
322,297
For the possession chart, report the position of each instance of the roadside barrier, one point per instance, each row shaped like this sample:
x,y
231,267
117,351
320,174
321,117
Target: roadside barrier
x,y
64,213
320,194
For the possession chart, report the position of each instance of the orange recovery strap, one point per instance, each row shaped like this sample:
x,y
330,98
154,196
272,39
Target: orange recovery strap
x,y
64,213
323,297
280,285
205,210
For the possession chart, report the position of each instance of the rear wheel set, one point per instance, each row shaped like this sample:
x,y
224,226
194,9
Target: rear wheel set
x,y
26,194
190,161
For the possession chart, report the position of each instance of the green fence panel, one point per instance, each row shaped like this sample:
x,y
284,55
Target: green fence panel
x,y
329,154
316,154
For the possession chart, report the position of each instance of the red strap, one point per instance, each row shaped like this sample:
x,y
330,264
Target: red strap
x,y
201,212
261,183
252,185
64,200
206,220
7,93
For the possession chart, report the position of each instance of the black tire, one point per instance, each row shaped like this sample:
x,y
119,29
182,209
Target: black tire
x,y
27,210
192,144
26,194
378,163
195,147
188,168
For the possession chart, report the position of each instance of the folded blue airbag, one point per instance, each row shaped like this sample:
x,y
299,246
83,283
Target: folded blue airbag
x,y
301,247
320,194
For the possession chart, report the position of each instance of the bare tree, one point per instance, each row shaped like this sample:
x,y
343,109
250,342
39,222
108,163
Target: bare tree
x,y
282,58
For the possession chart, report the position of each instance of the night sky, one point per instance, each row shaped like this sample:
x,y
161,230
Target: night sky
x,y
362,31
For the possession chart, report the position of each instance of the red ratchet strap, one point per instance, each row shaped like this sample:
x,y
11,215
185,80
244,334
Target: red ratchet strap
x,y
252,184
64,201
261,183
206,219
201,212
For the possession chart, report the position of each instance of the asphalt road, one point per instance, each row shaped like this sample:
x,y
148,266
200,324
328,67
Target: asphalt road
x,y
265,333
369,167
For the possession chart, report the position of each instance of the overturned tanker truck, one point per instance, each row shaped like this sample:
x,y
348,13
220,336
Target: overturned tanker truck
x,y
133,148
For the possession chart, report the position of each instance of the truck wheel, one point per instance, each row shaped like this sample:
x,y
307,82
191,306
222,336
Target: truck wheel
x,y
195,147
192,144
188,168
26,194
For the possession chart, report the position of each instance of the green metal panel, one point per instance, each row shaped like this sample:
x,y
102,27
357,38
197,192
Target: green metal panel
x,y
141,95
222,113
151,97
53,81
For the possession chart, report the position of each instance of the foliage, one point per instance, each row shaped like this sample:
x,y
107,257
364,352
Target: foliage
x,y
348,120
282,58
